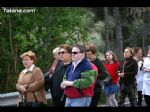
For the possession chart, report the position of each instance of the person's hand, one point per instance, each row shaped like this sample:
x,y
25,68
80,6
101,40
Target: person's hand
x,y
26,86
121,75
50,75
62,85
23,89
65,83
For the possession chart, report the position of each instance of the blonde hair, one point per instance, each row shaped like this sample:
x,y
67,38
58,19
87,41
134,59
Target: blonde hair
x,y
30,54
131,51
56,50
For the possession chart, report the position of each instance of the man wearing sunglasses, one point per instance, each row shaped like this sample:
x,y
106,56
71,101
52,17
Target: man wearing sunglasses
x,y
79,80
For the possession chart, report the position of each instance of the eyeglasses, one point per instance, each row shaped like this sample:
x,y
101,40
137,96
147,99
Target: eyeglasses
x,y
63,52
75,53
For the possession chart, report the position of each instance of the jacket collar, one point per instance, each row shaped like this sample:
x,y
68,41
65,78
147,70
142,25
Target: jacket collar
x,y
30,69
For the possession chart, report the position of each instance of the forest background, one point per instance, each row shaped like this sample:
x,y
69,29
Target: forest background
x,y
41,29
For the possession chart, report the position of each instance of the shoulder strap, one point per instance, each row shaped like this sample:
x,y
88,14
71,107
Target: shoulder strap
x,y
35,97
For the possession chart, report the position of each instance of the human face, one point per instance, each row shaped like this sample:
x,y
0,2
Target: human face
x,y
64,55
139,54
90,56
148,53
127,53
76,54
109,57
27,62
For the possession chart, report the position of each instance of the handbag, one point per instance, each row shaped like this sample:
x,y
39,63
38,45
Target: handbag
x,y
24,102
47,81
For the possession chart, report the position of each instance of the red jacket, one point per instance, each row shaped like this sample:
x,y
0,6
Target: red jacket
x,y
72,92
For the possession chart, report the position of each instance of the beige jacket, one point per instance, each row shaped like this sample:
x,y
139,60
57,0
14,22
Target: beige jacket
x,y
35,81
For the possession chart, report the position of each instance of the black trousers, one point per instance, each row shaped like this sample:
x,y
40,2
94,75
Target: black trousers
x,y
95,98
147,100
140,96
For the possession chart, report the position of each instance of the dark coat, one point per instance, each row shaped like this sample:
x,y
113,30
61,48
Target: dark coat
x,y
57,78
130,68
102,74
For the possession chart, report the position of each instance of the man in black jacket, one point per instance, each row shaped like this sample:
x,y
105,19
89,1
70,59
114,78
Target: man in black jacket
x,y
102,73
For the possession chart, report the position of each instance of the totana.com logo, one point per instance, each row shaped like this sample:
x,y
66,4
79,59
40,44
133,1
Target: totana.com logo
x,y
18,10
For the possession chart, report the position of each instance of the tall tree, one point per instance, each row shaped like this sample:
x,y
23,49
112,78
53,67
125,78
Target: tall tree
x,y
118,29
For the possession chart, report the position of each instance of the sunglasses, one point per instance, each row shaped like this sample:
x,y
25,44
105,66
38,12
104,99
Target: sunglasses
x,y
63,52
75,53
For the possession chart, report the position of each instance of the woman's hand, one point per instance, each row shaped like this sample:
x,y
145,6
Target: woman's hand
x,y
23,89
121,75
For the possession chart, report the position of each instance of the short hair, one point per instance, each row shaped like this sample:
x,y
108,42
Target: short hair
x,y
91,47
114,56
30,54
56,50
67,47
81,47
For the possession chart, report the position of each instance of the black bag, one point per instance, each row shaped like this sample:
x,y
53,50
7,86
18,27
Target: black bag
x,y
47,81
24,103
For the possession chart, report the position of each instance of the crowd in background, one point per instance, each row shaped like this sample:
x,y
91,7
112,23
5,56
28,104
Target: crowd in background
x,y
77,77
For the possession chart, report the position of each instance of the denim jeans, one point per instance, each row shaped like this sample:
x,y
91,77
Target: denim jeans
x,y
78,102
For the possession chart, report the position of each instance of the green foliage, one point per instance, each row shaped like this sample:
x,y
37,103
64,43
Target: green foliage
x,y
40,31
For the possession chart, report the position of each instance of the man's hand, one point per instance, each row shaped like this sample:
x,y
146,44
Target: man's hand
x,y
65,83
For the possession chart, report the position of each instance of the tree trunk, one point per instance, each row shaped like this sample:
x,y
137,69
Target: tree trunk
x,y
11,46
119,37
106,16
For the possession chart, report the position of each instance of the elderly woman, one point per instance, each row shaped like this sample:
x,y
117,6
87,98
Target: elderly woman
x,y
80,79
58,97
31,80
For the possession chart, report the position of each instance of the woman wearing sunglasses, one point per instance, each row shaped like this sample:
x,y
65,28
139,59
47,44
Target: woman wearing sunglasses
x,y
79,80
58,97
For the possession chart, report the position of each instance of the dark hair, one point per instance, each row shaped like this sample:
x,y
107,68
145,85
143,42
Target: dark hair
x,y
114,56
81,47
91,47
136,49
67,47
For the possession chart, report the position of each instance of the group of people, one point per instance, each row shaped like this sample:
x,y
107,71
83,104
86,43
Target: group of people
x,y
77,77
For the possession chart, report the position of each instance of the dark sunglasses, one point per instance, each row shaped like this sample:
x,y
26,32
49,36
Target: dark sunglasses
x,y
62,52
75,53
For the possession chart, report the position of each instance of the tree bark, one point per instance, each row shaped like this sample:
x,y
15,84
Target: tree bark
x,y
118,29
106,16
11,46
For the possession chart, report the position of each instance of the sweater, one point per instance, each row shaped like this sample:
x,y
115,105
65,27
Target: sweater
x,y
112,70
